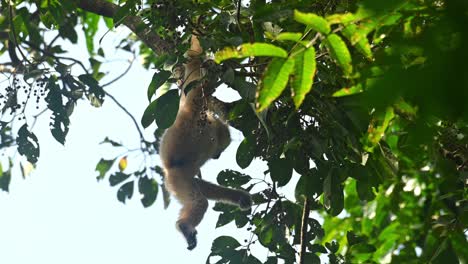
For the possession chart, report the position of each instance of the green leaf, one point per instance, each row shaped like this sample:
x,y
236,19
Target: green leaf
x,y
364,190
292,36
118,178
333,246
333,197
250,50
122,13
149,189
5,178
103,167
354,239
232,178
358,40
90,27
245,89
280,171
304,73
125,191
60,118
272,260
96,93
230,213
309,185
149,115
28,145
311,258
274,81
112,142
314,21
377,128
245,153
340,18
339,52
223,243
159,78
348,91
162,110
67,30
109,22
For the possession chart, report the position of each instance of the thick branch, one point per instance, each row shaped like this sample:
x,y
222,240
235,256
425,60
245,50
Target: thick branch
x,y
134,23
304,241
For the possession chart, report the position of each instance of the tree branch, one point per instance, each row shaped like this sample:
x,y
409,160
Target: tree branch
x,y
9,68
305,219
128,113
134,23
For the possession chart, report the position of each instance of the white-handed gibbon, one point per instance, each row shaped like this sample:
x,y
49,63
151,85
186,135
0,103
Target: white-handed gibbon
x,y
196,136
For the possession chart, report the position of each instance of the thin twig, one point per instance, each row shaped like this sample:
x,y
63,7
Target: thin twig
x,y
49,54
13,31
121,75
35,117
142,138
304,224
8,68
239,4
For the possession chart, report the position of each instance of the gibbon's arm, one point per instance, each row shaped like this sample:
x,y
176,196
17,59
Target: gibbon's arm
x,y
196,136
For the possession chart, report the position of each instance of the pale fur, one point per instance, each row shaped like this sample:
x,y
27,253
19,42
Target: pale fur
x,y
195,137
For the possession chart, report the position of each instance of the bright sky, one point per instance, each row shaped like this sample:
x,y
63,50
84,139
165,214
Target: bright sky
x,y
61,214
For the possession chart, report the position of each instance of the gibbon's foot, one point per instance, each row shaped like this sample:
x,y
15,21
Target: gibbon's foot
x,y
216,155
245,202
189,233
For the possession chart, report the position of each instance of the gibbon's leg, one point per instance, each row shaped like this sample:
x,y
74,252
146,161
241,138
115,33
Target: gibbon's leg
x,y
180,182
226,195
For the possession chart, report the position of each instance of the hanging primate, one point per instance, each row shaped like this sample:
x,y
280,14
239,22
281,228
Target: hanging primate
x,y
196,136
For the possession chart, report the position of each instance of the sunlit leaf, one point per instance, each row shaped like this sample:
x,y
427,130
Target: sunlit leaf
x,y
348,91
90,27
339,51
314,21
304,73
250,50
103,167
377,128
274,81
340,18
292,36
358,40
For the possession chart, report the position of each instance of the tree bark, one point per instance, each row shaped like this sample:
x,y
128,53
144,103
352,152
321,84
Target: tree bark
x,y
134,23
